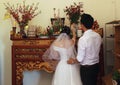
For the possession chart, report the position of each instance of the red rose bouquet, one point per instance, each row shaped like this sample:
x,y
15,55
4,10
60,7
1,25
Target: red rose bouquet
x,y
74,12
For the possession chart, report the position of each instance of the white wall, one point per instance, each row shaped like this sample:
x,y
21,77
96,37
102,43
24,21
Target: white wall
x,y
1,63
118,9
102,10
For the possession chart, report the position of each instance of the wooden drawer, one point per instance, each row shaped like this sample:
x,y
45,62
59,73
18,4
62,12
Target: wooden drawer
x,y
26,53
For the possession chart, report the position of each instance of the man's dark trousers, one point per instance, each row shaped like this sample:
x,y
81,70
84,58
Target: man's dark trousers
x,y
89,74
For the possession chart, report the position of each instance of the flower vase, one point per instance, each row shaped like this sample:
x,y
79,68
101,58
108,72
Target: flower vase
x,y
22,30
22,26
14,30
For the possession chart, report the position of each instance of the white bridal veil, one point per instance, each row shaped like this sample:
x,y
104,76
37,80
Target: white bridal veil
x,y
53,55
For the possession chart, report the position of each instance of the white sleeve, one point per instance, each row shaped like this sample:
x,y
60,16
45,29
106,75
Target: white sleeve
x,y
81,50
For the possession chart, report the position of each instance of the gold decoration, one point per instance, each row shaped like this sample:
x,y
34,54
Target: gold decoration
x,y
30,66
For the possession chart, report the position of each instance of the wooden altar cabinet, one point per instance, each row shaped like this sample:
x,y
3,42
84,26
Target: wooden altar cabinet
x,y
26,55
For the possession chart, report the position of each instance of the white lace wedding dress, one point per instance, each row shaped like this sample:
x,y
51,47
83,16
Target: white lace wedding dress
x,y
66,74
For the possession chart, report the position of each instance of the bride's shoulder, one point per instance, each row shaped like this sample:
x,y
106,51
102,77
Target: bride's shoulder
x,y
64,43
57,44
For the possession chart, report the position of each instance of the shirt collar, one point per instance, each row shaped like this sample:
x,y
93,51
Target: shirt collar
x,y
87,31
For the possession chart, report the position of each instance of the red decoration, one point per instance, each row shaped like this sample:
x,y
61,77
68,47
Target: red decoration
x,y
73,12
22,13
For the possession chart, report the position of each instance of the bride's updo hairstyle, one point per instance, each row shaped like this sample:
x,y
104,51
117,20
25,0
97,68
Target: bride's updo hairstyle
x,y
66,29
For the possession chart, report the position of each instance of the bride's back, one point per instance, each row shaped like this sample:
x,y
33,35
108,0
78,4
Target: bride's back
x,y
63,43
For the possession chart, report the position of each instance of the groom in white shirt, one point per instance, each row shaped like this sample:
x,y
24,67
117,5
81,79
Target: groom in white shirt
x,y
88,51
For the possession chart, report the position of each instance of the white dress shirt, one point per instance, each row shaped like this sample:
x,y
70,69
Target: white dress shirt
x,y
89,47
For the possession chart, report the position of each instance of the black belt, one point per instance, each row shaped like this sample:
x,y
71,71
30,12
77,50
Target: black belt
x,y
89,65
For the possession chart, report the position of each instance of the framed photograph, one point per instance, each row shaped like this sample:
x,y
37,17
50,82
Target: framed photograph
x,y
57,24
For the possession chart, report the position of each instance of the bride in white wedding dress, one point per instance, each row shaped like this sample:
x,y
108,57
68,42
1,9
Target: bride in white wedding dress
x,y
62,49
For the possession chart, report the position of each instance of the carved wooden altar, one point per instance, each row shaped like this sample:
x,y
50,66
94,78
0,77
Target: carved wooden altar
x,y
26,55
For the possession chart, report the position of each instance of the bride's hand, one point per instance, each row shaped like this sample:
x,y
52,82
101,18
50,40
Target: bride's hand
x,y
73,27
70,61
